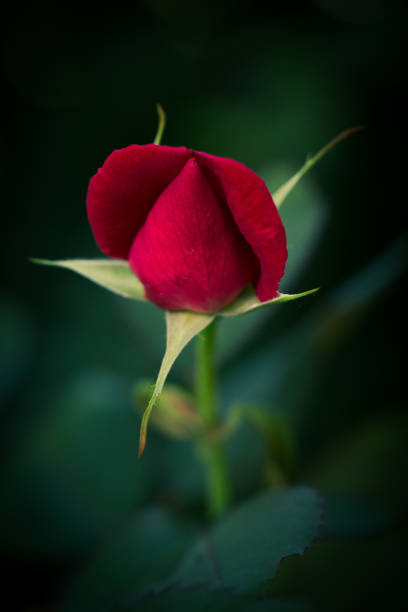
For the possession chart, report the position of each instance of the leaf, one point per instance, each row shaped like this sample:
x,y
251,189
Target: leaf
x,y
281,194
181,328
112,274
161,125
72,473
248,301
219,601
244,549
131,559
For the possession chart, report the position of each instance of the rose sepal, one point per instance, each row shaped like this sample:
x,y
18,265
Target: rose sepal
x,y
116,276
247,302
284,190
112,274
181,328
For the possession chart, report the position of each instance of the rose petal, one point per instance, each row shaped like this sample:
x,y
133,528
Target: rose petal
x,y
123,191
254,213
189,253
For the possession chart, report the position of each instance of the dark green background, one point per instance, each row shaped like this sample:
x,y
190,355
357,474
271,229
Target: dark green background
x,y
265,86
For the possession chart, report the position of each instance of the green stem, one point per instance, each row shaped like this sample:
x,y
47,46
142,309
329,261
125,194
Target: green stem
x,y
212,452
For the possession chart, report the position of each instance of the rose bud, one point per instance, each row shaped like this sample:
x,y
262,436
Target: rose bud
x,y
196,229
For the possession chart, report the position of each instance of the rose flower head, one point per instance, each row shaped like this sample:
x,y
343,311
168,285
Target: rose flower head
x,y
196,229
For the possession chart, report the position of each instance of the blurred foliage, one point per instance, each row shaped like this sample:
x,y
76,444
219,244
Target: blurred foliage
x,y
83,522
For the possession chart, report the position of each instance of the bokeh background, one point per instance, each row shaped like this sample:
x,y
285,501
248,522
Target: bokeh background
x,y
265,84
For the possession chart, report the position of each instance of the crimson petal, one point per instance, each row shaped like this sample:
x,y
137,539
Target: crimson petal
x,y
255,214
123,191
189,253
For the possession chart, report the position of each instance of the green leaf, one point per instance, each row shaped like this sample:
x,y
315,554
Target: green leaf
x,y
72,473
181,328
131,559
219,601
248,301
244,550
112,274
281,194
162,124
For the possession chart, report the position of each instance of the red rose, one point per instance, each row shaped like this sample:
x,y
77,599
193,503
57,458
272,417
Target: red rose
x,y
195,228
